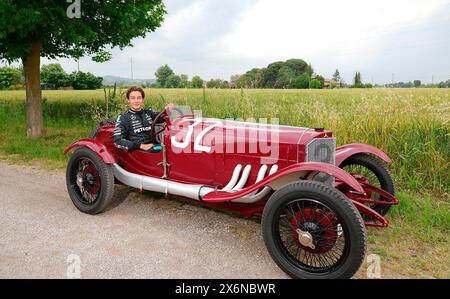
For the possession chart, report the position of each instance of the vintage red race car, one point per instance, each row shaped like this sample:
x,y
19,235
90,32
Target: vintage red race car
x,y
314,199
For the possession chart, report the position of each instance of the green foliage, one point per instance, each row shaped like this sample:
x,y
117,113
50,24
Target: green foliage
x,y
357,80
81,80
270,75
162,75
101,23
185,81
173,81
197,82
102,56
54,74
315,84
214,83
276,75
417,83
251,79
402,122
337,76
443,84
301,82
166,78
321,79
10,76
285,76
299,66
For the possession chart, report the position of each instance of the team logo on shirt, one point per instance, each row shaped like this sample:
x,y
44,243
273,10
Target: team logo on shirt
x,y
142,130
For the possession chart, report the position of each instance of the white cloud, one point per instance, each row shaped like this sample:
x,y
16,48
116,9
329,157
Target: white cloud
x,y
218,38
303,28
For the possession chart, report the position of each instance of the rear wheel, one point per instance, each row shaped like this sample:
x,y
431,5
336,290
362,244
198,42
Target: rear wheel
x,y
313,231
370,169
90,182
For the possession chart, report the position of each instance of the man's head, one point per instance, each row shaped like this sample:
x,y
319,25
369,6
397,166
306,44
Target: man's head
x,y
135,96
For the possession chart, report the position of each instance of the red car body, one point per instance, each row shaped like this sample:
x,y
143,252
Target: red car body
x,y
197,152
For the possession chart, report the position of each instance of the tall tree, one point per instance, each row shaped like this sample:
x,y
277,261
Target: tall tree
x,y
271,74
337,76
285,76
301,82
162,75
197,82
10,76
173,81
298,66
54,73
184,81
30,30
357,79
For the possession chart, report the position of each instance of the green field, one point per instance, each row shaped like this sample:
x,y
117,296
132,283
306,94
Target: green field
x,y
411,125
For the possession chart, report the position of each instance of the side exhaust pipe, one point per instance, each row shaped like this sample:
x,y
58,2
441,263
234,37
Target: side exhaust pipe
x,y
157,185
191,190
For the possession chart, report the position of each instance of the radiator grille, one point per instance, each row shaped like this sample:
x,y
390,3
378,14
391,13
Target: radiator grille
x,y
322,150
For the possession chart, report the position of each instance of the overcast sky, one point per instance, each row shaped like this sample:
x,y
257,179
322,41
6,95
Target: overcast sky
x,y
219,38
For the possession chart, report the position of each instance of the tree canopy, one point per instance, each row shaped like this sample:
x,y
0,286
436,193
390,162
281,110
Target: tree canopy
x,y
114,23
48,28
281,74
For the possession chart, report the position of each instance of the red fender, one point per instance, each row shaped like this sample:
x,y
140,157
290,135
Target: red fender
x,y
96,147
343,152
285,176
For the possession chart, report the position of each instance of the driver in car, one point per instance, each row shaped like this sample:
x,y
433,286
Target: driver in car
x,y
132,130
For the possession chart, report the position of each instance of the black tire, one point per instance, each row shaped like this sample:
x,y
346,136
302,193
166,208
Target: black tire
x,y
378,175
342,212
96,178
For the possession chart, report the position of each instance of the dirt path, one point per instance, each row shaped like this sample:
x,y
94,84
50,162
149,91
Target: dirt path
x,y
143,237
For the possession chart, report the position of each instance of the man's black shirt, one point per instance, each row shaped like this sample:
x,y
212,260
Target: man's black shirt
x,y
133,128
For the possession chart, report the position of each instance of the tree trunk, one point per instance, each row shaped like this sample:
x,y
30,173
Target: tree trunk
x,y
32,70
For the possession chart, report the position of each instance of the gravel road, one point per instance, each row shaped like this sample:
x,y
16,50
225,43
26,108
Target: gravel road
x,y
43,235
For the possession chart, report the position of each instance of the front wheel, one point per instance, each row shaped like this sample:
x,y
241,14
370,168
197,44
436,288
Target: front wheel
x,y
313,231
90,182
369,169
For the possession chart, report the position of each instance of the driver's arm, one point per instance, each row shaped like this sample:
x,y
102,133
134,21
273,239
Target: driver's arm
x,y
153,115
120,135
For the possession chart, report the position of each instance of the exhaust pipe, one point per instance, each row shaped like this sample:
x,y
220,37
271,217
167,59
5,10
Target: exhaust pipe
x,y
191,190
157,185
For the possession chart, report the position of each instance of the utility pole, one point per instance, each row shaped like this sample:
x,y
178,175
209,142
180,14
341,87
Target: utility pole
x,y
392,79
131,60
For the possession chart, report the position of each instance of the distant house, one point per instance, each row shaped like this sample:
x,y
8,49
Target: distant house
x,y
48,86
328,83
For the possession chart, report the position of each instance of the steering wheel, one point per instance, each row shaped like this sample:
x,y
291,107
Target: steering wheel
x,y
153,134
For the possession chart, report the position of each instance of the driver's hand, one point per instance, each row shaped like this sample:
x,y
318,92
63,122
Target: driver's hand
x,y
146,147
170,106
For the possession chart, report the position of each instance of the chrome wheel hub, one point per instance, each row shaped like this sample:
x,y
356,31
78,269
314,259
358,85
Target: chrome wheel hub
x,y
305,238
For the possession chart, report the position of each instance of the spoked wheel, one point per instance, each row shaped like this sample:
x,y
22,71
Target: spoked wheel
x,y
90,182
369,170
314,231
